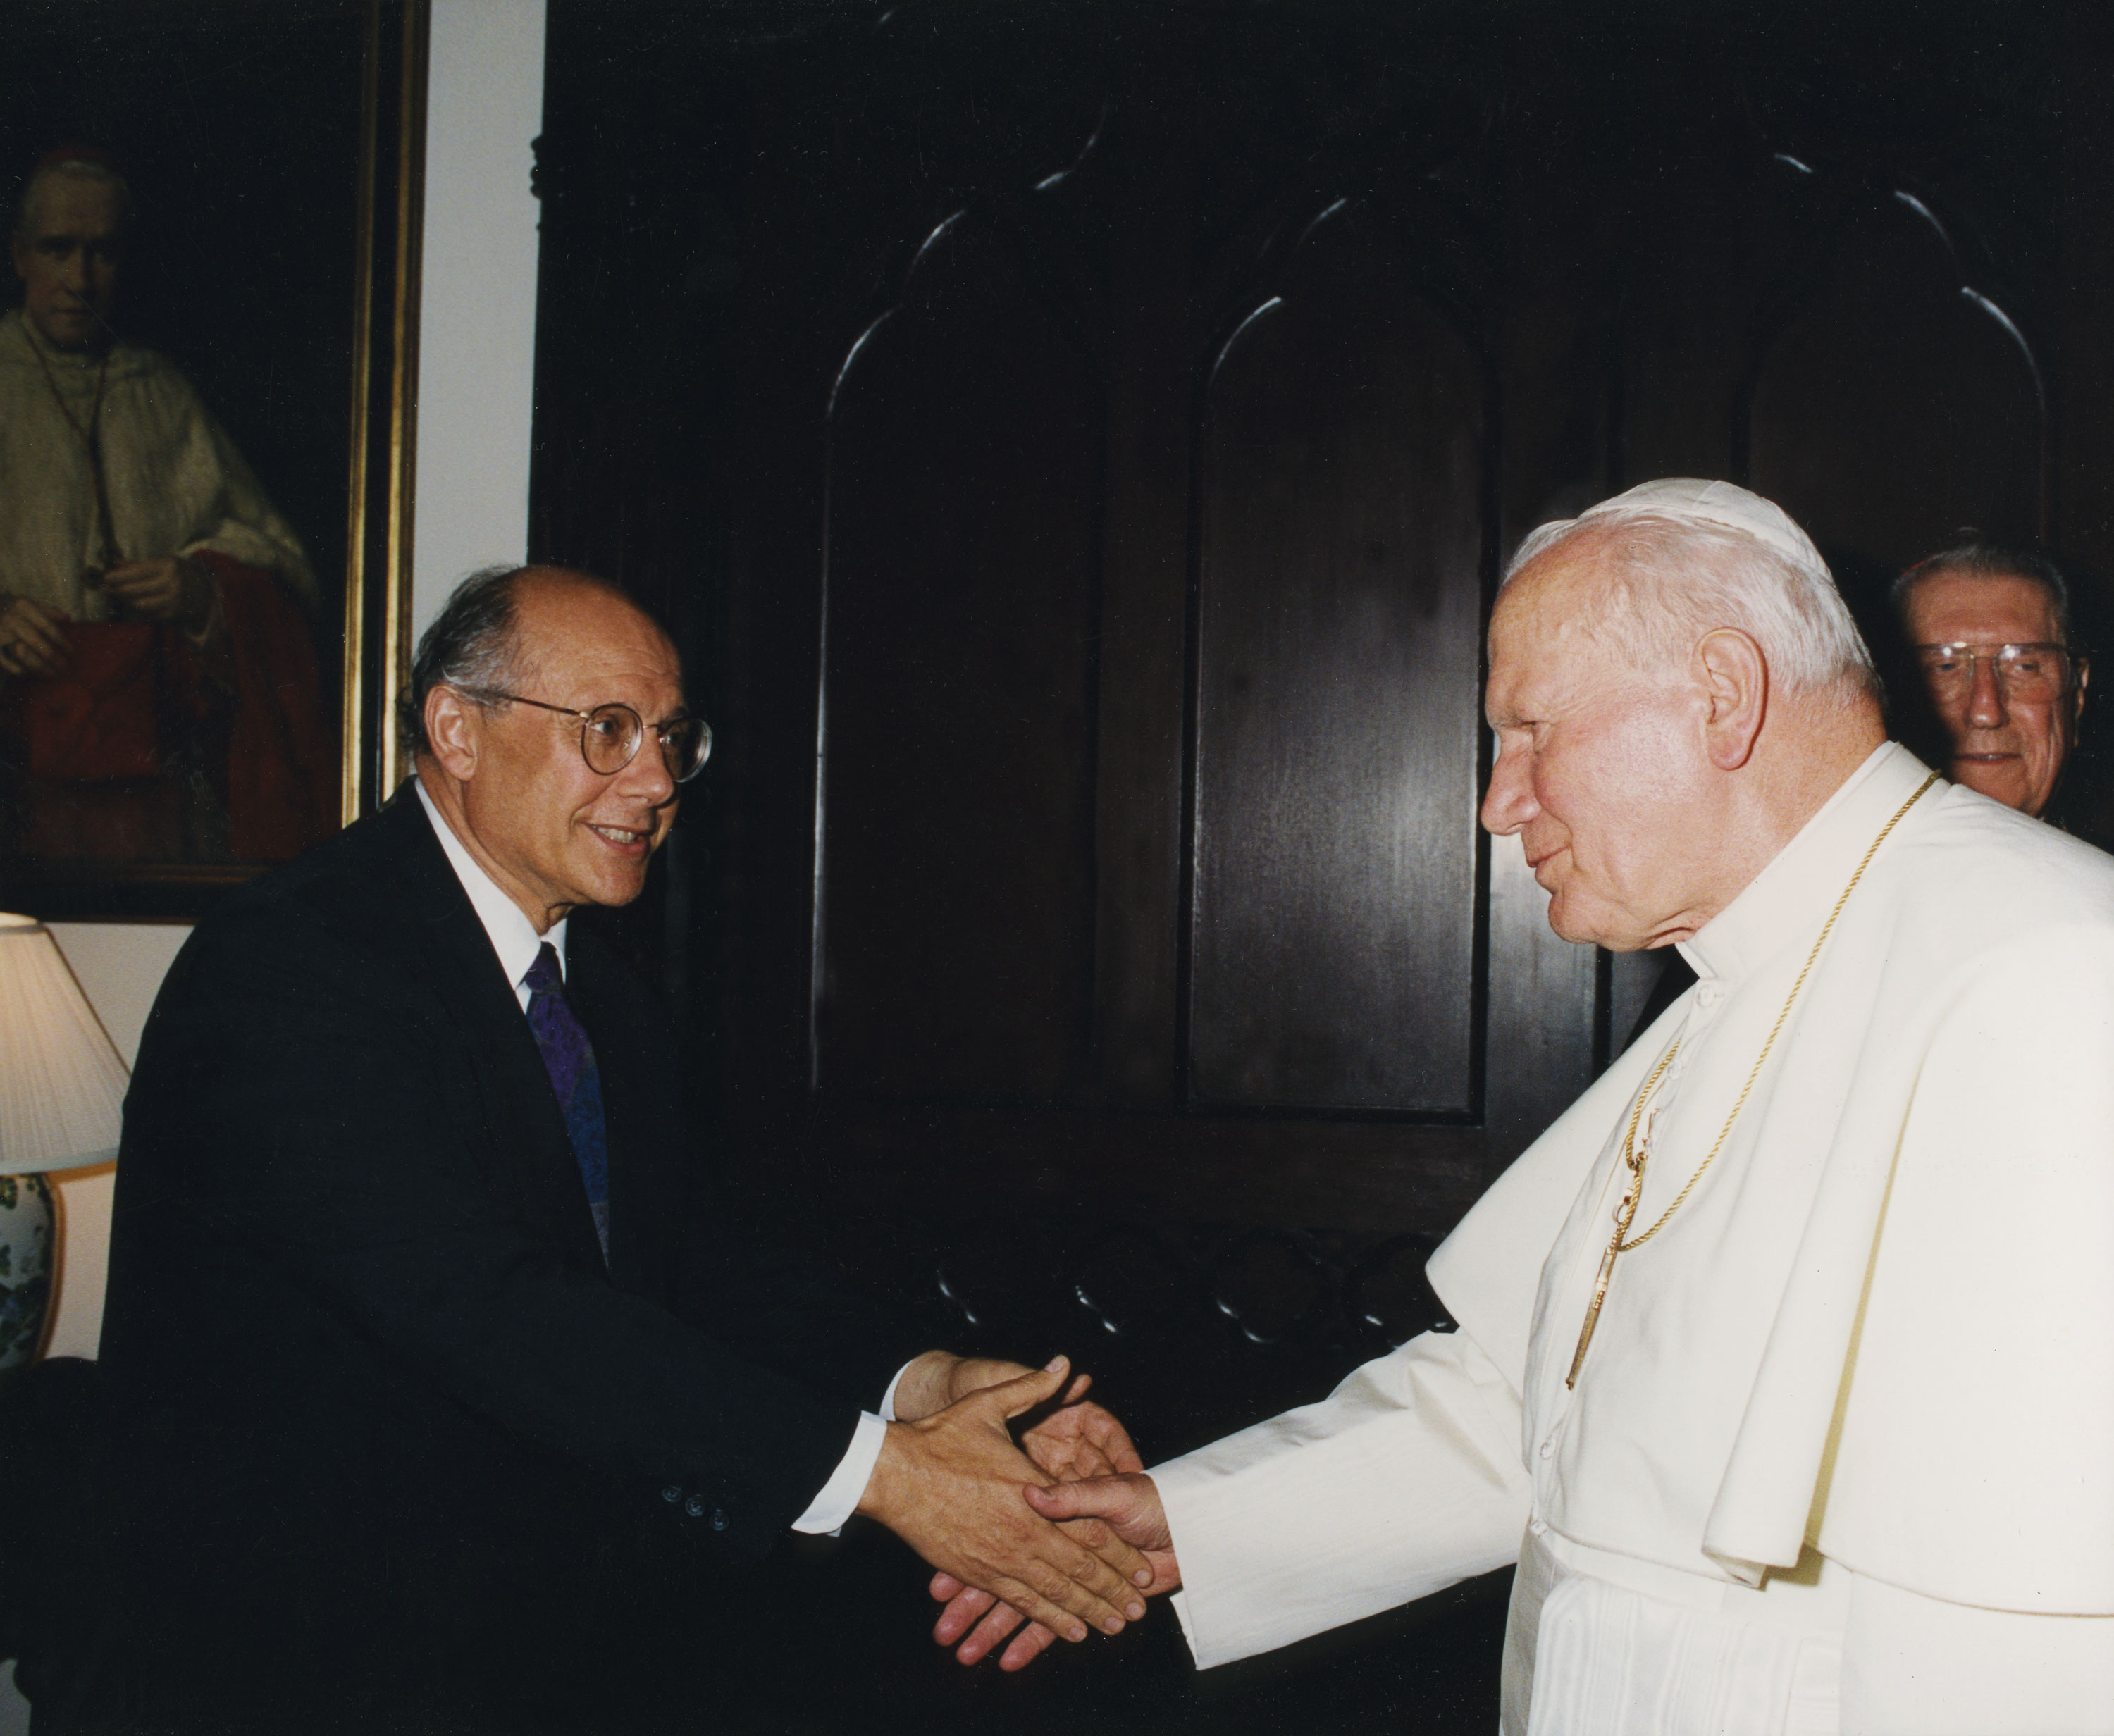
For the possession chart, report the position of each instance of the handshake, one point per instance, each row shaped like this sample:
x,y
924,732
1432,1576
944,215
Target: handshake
x,y
1057,1532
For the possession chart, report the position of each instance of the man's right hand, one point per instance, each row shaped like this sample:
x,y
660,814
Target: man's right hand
x,y
950,1486
1129,1505
33,639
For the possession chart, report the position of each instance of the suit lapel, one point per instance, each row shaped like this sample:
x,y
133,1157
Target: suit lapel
x,y
526,1154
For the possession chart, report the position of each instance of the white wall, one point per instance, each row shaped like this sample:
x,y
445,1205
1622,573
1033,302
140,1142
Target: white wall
x,y
476,324
478,320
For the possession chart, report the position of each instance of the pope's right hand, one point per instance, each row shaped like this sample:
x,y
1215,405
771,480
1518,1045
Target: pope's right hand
x,y
1129,1506
949,1485
33,639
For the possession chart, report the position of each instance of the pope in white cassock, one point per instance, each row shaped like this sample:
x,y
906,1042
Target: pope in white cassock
x,y
1785,1369
159,697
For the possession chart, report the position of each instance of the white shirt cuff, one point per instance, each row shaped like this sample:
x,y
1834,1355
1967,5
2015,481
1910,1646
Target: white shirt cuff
x,y
828,1511
841,1495
888,1398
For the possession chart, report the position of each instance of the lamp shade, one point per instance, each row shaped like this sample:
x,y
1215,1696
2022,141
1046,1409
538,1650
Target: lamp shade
x,y
61,1083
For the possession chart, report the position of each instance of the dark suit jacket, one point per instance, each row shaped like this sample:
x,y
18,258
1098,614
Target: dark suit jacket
x,y
377,1403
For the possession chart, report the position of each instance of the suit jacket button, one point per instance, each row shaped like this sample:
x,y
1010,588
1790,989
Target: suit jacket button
x,y
719,1519
694,1506
671,1494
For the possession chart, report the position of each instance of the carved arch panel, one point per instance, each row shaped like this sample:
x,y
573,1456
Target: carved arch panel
x,y
1341,534
1898,403
953,873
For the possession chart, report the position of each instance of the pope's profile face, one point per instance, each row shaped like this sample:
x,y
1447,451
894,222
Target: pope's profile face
x,y
557,833
66,256
2008,744
1600,764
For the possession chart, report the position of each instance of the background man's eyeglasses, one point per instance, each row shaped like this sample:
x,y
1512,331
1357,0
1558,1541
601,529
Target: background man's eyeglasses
x,y
2029,672
611,736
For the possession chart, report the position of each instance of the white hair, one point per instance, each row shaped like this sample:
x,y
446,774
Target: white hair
x,y
1679,577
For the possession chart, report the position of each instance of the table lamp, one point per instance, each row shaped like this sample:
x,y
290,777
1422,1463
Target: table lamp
x,y
61,1093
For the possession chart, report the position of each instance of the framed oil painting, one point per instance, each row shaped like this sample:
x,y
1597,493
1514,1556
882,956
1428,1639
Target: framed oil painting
x,y
207,364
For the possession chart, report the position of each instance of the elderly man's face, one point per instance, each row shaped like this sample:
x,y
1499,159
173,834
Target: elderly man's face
x,y
2009,746
66,257
1600,768
557,833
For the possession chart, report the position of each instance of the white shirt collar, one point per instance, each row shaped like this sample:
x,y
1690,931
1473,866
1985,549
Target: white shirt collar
x,y
513,936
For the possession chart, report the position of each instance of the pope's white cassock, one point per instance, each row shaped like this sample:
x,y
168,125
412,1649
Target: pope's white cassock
x,y
1841,1455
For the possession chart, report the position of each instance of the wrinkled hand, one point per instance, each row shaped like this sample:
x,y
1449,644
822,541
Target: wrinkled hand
x,y
1070,1440
950,1486
1080,1440
1130,1504
167,590
33,639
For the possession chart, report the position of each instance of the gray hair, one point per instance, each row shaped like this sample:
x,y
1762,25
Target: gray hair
x,y
474,643
1681,579
471,646
1979,559
72,168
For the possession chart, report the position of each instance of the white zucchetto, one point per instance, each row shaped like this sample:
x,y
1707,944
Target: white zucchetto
x,y
1724,505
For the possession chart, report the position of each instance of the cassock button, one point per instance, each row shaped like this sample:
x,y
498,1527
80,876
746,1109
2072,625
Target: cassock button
x,y
695,1506
719,1519
671,1494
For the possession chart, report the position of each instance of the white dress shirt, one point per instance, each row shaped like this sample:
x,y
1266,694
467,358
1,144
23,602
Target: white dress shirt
x,y
514,938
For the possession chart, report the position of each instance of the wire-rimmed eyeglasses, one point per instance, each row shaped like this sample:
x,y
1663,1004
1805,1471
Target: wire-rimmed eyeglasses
x,y
2040,669
611,735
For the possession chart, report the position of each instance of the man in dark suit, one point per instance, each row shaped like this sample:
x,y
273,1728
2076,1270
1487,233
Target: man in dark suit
x,y
432,1388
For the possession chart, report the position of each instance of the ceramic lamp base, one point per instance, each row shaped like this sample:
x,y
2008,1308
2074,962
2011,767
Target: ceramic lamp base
x,y
25,1268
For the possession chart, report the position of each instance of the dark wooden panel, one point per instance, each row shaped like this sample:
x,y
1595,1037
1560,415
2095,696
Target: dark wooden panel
x,y
1136,187
954,873
1317,1173
1341,540
1899,403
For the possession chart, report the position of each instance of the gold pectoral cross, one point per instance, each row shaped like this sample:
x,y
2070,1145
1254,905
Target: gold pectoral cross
x,y
1593,1314
1634,1157
1622,1216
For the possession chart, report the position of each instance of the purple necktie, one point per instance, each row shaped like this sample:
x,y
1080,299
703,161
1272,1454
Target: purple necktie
x,y
569,1058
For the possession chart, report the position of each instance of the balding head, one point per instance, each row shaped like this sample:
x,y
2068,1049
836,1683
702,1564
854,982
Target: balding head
x,y
508,676
1653,753
473,643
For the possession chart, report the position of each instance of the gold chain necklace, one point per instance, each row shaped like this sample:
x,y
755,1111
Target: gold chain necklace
x,y
1635,1157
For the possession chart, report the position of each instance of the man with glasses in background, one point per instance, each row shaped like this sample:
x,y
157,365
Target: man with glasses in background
x,y
1989,630
435,1399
